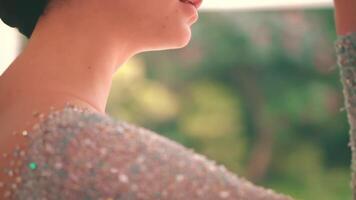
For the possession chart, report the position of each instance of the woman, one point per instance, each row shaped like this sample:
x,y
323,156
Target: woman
x,y
78,152
56,139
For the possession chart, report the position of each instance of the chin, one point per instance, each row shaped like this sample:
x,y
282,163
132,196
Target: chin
x,y
184,39
176,41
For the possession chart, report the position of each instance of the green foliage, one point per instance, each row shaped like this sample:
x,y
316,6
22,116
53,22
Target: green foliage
x,y
260,82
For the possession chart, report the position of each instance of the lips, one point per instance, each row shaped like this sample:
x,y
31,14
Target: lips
x,y
195,3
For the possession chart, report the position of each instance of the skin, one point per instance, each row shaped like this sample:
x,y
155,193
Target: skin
x,y
75,49
345,17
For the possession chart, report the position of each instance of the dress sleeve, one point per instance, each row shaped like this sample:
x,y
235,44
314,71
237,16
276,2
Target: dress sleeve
x,y
346,57
78,155
345,47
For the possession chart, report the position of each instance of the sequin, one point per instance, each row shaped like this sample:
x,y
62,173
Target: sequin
x,y
179,177
123,178
103,151
58,166
14,186
22,153
18,180
24,133
114,170
10,173
32,166
224,194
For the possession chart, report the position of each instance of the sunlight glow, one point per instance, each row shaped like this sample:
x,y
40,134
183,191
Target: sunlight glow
x,y
211,5
10,43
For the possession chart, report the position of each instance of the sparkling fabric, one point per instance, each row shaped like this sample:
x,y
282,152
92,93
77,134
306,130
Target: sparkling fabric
x,y
345,47
346,54
76,154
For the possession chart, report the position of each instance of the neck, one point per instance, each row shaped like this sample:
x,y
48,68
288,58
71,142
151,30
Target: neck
x,y
67,60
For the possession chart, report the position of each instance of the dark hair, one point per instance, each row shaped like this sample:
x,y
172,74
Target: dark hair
x,y
22,14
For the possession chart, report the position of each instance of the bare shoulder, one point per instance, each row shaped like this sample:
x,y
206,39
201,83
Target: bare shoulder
x,y
75,154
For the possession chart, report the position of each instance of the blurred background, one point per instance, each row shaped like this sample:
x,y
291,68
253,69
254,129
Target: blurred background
x,y
257,90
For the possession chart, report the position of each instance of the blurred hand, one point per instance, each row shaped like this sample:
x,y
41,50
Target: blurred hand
x,y
345,16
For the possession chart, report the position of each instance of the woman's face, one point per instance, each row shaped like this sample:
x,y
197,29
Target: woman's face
x,y
159,24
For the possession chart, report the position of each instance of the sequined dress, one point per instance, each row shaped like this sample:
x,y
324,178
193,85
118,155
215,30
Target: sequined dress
x,y
76,154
